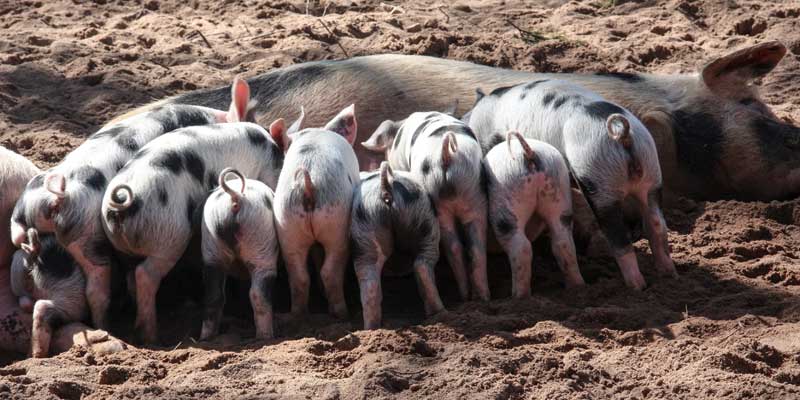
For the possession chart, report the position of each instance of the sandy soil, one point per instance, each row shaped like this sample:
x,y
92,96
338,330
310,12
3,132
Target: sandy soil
x,y
729,327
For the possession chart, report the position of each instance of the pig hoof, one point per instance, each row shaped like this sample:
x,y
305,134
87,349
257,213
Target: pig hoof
x,y
39,353
575,283
340,313
637,284
109,347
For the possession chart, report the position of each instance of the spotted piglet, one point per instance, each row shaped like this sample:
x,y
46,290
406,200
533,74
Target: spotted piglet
x,y
49,284
529,191
609,151
442,153
312,205
393,214
153,206
238,239
66,199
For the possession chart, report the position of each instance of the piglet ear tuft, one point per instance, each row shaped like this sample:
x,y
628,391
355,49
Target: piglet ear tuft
x,y
345,124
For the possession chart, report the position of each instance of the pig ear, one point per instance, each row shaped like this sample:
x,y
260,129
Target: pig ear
x,y
451,109
479,94
295,127
741,66
345,123
278,132
379,141
240,100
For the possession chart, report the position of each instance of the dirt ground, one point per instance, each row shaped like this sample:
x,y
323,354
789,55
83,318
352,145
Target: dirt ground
x,y
729,327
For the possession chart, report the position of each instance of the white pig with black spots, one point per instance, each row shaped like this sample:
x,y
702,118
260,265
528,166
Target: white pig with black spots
x,y
153,206
239,239
609,151
66,199
312,205
529,193
393,214
443,154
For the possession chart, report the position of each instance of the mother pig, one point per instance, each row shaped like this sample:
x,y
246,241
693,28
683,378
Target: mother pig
x,y
706,126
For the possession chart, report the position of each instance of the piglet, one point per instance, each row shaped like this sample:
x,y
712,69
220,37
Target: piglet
x,y
153,206
238,239
312,205
49,284
529,191
443,154
66,199
392,214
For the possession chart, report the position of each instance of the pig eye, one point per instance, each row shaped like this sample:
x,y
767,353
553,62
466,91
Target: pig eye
x,y
747,101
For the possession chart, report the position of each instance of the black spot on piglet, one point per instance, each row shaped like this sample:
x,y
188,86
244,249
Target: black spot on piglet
x,y
602,109
90,177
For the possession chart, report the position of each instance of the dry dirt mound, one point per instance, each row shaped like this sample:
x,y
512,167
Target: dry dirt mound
x,y
728,328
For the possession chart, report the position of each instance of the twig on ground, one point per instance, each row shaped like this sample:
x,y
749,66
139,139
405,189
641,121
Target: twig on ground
x,y
338,43
528,36
197,32
446,16
393,9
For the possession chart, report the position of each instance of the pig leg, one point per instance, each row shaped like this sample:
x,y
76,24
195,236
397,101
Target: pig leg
x,y
97,269
332,275
612,223
520,255
296,257
213,300
369,283
426,283
148,279
656,230
262,284
563,248
515,239
368,262
453,251
474,237
46,318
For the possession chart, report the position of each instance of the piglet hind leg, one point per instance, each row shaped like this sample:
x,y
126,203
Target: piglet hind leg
x,y
520,255
332,275
299,280
474,241
656,230
213,300
563,248
426,284
148,279
262,286
368,273
47,317
613,225
454,252
97,269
